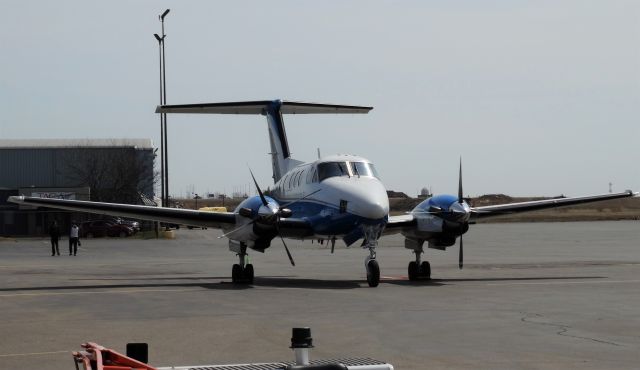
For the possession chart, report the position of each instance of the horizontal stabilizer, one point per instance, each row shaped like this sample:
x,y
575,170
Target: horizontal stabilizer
x,y
259,107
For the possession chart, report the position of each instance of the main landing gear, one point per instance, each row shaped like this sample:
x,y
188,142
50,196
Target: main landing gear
x,y
419,270
242,273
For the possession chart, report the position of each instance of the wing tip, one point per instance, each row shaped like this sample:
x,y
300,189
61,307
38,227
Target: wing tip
x,y
16,199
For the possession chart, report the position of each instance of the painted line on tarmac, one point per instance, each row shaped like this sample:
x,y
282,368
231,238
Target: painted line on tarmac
x,y
568,282
34,353
393,278
102,292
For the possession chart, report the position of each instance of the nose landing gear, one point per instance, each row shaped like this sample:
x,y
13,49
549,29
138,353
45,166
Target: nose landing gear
x,y
373,271
371,235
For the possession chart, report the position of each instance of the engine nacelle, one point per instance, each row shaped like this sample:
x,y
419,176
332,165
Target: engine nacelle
x,y
442,242
259,224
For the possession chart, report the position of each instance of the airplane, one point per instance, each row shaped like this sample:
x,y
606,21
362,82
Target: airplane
x,y
334,197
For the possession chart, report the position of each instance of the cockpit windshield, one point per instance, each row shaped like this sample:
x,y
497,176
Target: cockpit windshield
x,y
332,169
357,169
363,169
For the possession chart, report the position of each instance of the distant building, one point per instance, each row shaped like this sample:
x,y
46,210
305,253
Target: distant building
x,y
425,193
109,170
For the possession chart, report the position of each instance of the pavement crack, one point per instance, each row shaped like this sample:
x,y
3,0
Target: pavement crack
x,y
563,330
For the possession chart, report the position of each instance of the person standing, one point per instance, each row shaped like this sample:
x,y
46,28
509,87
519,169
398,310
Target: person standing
x,y
54,233
74,239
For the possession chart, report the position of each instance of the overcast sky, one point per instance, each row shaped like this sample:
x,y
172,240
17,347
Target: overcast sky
x,y
538,97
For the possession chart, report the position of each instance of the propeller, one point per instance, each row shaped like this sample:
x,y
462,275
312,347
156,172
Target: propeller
x,y
279,213
460,200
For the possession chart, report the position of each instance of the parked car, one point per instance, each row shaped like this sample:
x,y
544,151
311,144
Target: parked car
x,y
99,228
135,225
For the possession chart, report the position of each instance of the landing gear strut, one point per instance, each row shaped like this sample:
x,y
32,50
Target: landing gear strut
x,y
419,270
371,242
242,273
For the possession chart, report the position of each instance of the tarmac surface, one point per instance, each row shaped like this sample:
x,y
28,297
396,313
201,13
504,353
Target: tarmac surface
x,y
531,296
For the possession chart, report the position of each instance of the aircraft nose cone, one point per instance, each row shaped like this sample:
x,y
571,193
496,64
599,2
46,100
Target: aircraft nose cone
x,y
371,201
375,210
364,197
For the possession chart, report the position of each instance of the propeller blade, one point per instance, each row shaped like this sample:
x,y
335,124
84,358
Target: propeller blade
x,y
285,244
236,229
460,183
460,255
287,250
264,200
297,200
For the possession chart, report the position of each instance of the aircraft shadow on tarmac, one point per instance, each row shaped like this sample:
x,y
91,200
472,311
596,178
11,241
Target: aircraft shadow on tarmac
x,y
442,282
279,282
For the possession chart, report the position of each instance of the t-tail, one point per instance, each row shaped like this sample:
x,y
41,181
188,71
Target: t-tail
x,y
273,109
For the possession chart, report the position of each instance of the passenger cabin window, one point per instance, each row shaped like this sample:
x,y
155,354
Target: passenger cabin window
x,y
332,169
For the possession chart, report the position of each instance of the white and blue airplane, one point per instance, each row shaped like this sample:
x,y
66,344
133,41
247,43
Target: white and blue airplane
x,y
335,197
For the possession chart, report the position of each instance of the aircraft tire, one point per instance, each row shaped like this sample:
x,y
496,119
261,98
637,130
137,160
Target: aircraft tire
x,y
248,273
413,271
236,273
373,273
425,270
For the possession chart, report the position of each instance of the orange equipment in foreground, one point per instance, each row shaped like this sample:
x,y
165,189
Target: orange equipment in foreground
x,y
97,357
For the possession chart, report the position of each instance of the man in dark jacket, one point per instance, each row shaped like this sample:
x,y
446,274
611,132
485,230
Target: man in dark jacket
x,y
54,233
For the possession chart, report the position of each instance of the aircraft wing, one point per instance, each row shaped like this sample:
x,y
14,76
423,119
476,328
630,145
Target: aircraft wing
x,y
398,223
170,215
503,209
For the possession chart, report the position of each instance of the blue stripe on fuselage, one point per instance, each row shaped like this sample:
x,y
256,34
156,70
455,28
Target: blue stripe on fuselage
x,y
326,219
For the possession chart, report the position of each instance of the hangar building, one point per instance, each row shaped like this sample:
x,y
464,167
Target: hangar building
x,y
106,170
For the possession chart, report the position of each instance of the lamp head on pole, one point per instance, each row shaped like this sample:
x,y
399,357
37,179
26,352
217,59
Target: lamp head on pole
x,y
164,15
158,37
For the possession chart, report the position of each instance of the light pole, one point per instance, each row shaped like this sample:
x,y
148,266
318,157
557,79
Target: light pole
x,y
164,102
162,191
164,153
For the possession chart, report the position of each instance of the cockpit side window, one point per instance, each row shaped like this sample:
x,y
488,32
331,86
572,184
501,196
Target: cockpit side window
x,y
332,169
374,172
